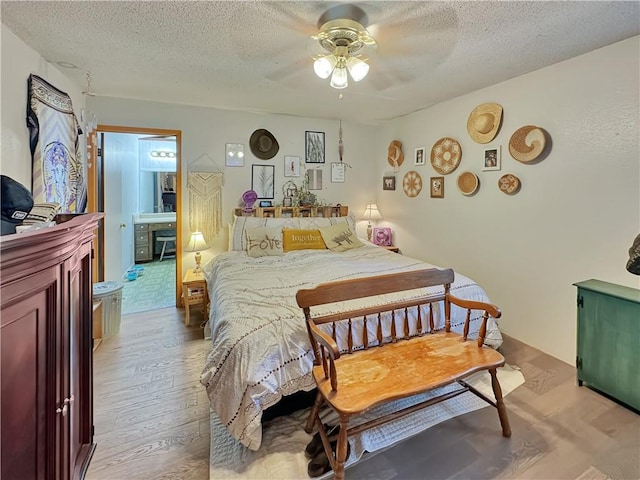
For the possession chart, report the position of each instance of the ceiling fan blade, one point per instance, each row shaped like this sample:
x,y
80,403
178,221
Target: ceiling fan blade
x,y
294,16
413,28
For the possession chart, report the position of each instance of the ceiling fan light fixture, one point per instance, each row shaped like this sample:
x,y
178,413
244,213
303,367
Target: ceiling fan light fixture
x,y
357,68
324,65
339,78
345,46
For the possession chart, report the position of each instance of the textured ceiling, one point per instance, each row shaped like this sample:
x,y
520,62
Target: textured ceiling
x,y
253,56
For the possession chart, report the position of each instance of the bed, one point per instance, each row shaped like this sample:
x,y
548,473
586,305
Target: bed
x,y
260,348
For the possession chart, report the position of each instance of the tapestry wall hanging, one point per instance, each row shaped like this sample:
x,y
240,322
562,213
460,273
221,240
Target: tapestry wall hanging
x,y
57,174
205,203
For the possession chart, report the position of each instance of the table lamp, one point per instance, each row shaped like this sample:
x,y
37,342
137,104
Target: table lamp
x,y
196,244
371,213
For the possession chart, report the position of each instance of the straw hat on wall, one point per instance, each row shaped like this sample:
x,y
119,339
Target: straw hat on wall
x,y
484,122
395,157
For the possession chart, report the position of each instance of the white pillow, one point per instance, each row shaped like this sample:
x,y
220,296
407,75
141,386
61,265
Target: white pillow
x,y
314,223
237,237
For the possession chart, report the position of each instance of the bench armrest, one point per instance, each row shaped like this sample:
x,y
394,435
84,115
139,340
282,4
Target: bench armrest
x,y
492,310
325,340
487,309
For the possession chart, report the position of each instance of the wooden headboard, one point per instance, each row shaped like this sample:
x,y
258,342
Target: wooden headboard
x,y
331,211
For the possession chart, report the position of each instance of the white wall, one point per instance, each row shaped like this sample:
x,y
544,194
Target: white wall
x,y
574,218
578,210
207,130
18,61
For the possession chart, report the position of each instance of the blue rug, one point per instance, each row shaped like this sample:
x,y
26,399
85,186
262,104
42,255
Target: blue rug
x,y
154,288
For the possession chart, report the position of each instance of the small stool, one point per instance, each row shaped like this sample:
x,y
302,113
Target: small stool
x,y
164,241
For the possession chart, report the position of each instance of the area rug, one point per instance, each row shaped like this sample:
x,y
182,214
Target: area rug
x,y
154,288
281,454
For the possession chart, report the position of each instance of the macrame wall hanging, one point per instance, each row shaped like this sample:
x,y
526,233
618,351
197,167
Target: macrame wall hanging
x,y
205,197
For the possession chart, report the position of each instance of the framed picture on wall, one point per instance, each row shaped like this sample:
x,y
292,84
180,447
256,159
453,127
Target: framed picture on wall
x,y
337,172
234,155
437,187
419,158
314,147
262,178
315,179
389,183
491,160
291,166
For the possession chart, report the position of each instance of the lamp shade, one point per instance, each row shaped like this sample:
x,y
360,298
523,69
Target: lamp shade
x,y
196,243
372,212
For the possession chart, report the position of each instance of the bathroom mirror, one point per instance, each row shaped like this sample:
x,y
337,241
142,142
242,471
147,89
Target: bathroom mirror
x,y
157,192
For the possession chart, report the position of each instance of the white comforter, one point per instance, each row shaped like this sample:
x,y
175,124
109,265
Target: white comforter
x,y
260,346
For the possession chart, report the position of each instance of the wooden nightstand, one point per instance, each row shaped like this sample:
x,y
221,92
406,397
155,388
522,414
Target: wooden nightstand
x,y
194,292
391,248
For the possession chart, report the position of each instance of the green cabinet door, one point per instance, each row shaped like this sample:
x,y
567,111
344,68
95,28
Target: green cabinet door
x,y
608,354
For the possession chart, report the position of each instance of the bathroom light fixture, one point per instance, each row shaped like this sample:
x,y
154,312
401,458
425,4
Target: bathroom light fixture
x,y
162,154
345,46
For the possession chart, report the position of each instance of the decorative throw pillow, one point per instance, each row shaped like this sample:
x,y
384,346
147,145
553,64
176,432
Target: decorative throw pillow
x,y
238,237
340,237
302,240
264,241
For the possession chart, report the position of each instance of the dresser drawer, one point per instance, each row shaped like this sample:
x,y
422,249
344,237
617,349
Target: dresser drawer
x,y
142,253
161,226
140,227
142,239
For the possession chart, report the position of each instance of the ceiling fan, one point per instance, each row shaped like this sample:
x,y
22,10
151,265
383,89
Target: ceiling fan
x,y
385,39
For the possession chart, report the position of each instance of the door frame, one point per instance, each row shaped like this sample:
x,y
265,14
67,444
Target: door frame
x,y
93,193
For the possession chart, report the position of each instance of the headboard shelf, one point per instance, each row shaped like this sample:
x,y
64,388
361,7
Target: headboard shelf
x,y
277,212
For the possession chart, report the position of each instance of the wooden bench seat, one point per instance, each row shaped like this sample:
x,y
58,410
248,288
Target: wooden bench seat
x,y
403,369
355,377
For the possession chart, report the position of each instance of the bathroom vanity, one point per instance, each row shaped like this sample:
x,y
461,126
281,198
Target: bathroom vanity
x,y
148,226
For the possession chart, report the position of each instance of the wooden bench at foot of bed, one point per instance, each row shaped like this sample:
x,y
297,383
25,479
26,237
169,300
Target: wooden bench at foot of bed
x,y
368,373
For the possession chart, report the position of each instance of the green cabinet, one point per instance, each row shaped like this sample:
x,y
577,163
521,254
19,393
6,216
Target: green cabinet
x,y
608,355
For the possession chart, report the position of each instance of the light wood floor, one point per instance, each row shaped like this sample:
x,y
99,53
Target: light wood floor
x,y
152,419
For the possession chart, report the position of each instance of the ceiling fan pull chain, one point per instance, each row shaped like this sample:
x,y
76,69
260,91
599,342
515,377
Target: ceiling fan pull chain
x,y
340,144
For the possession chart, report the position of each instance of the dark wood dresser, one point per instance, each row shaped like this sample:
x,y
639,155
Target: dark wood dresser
x,y
46,404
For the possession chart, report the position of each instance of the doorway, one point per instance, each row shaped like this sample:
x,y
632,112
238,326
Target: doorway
x,y
123,184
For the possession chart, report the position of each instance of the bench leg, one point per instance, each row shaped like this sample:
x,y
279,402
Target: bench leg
x,y
502,409
313,414
341,450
